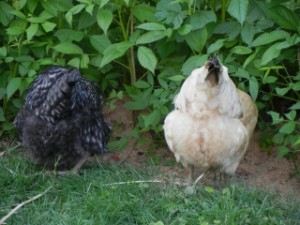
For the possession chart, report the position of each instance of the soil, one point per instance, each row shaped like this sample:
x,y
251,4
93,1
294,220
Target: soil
x,y
257,169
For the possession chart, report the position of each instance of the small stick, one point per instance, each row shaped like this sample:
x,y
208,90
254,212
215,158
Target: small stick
x,y
3,219
198,179
134,182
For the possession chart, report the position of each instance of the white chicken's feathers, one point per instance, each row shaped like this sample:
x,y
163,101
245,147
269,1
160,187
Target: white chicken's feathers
x,y
211,143
201,100
212,122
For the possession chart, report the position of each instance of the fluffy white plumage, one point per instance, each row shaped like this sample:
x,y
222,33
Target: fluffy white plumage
x,y
212,122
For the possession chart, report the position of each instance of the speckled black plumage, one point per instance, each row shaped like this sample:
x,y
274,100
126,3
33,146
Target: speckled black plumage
x,y
61,119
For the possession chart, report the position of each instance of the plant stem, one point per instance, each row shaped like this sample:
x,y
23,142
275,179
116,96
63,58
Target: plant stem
x,y
298,57
60,21
224,6
125,35
284,97
132,61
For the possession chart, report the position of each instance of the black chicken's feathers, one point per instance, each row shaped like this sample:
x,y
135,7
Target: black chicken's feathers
x,y
49,95
62,118
84,93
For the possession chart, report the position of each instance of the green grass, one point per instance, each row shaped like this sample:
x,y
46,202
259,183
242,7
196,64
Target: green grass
x,y
84,199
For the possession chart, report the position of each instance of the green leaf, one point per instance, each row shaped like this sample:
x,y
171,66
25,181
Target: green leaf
x,y
75,62
242,73
287,128
192,63
115,51
271,53
209,189
36,20
150,79
84,61
177,78
46,61
249,59
89,9
150,37
152,119
69,18
202,18
253,87
100,42
68,48
12,86
31,30
267,38
185,29
282,91
68,35
141,84
77,8
241,50
19,4
215,46
238,9
18,14
170,12
86,21
103,3
296,106
276,118
231,28
5,16
126,2
278,138
48,26
147,58
3,52
247,33
282,151
296,86
297,142
197,39
269,80
291,115
104,19
281,15
151,26
144,12
15,30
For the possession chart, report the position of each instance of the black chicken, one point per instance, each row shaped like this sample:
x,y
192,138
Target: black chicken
x,y
61,123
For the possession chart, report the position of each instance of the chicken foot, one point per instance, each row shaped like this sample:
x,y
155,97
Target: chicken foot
x,y
74,170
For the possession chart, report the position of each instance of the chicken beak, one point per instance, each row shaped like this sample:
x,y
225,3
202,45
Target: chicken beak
x,y
214,67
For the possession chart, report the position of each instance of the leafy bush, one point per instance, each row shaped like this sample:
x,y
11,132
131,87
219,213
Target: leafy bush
x,y
147,48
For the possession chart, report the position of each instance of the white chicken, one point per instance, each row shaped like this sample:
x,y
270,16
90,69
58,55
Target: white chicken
x,y
212,122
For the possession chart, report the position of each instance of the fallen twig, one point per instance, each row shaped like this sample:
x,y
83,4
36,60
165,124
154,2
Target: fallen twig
x,y
134,182
198,179
14,210
1,154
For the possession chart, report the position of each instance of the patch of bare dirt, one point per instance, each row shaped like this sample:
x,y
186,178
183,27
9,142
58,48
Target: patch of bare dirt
x,y
258,169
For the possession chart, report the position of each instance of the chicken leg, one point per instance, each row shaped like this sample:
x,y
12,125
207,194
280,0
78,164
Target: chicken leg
x,y
191,169
74,170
